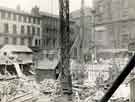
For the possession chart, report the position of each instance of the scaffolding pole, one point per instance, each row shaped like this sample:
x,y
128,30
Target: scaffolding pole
x,y
66,81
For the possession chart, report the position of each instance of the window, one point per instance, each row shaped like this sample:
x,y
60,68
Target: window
x,y
54,41
36,42
34,20
6,28
22,29
38,20
38,31
20,18
43,43
9,15
28,30
33,30
22,41
125,4
29,19
6,40
47,41
14,29
14,41
124,40
101,9
39,42
24,19
14,16
3,14
48,30
30,42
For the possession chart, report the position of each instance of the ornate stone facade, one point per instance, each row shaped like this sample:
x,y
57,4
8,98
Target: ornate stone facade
x,y
118,19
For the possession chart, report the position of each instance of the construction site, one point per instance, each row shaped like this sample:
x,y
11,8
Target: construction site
x,y
91,64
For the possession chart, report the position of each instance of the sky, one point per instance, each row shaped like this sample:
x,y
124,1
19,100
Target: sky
x,y
50,6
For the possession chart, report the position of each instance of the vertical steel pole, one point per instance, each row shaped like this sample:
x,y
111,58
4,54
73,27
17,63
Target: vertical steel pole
x,y
66,81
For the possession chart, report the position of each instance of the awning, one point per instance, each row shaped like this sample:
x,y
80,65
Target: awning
x,y
15,48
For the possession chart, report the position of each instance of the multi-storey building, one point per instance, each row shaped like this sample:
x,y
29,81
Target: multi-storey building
x,y
51,34
19,28
37,30
116,17
50,25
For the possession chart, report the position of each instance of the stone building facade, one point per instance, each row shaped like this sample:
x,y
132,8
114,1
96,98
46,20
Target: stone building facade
x,y
38,30
117,19
51,33
50,25
19,28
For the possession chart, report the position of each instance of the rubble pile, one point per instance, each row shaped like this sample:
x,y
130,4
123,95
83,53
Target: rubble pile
x,y
50,86
87,92
47,86
11,89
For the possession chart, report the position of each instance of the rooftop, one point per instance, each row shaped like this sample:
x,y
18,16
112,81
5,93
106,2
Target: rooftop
x,y
48,14
17,11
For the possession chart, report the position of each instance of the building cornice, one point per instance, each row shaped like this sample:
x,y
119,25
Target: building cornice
x,y
16,35
19,12
115,21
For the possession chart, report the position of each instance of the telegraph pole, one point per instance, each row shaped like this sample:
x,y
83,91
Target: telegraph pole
x,y
66,81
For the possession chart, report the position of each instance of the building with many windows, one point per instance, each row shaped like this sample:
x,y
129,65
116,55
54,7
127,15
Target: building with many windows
x,y
117,19
51,34
37,30
50,25
19,28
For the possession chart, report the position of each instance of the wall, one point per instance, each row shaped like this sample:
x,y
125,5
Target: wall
x,y
42,74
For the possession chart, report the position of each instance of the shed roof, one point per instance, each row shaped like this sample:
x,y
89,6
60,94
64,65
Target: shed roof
x,y
15,48
113,50
48,64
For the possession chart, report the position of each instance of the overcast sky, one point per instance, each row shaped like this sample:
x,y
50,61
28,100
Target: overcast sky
x,y
45,5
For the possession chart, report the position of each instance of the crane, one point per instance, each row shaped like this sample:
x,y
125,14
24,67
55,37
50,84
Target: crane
x,y
79,41
82,31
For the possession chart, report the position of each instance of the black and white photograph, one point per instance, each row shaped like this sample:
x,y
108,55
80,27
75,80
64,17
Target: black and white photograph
x,y
67,50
